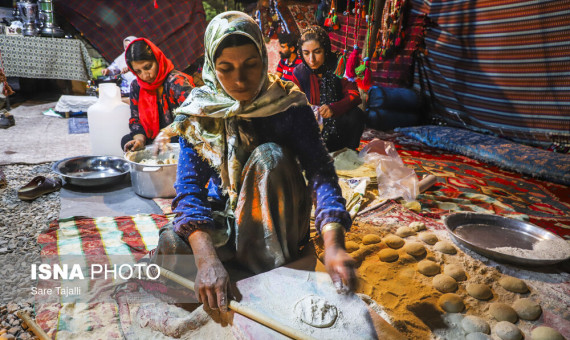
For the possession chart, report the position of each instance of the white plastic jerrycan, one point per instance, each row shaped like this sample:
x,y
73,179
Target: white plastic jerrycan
x,y
108,121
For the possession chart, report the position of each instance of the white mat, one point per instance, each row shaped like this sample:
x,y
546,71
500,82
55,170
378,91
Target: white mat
x,y
39,139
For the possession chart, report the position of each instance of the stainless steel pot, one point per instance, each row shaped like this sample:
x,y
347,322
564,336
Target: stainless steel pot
x,y
153,181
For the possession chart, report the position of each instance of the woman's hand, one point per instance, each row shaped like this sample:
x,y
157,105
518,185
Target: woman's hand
x,y
125,70
137,143
212,284
212,280
325,111
161,141
339,265
105,71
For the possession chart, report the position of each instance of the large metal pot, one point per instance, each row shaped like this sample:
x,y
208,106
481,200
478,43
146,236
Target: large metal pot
x,y
153,181
91,171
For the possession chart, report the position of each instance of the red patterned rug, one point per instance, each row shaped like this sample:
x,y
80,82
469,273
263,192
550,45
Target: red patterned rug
x,y
465,184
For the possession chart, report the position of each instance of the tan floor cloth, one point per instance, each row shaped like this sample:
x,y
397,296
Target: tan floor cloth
x,y
39,139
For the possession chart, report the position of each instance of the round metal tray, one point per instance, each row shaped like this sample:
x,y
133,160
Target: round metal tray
x,y
92,171
483,232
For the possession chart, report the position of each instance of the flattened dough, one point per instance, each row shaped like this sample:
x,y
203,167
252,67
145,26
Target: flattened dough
x,y
316,311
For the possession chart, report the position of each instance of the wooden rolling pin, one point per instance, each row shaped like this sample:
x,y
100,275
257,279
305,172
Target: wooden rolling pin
x,y
32,325
243,310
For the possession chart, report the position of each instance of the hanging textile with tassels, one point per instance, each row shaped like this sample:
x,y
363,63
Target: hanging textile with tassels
x,y
391,35
341,65
331,22
354,58
364,80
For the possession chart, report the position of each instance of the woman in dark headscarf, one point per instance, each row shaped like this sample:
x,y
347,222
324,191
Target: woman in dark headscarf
x,y
335,101
249,131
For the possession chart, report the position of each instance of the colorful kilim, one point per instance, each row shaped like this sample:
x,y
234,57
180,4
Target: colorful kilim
x,y
91,238
465,184
304,15
499,66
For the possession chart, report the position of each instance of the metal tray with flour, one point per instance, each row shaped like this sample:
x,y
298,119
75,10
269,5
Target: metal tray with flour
x,y
506,239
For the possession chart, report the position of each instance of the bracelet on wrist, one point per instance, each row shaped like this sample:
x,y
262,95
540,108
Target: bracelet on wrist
x,y
332,226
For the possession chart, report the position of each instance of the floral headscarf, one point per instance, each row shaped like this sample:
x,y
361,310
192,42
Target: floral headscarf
x,y
216,140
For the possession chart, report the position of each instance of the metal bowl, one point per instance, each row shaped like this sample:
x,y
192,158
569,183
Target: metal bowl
x,y
91,171
483,233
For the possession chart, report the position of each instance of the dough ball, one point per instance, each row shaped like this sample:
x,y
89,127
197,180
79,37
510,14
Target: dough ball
x,y
455,271
451,303
475,324
407,258
445,283
477,336
545,333
428,238
479,291
394,241
415,248
527,309
417,226
371,239
503,312
351,246
405,232
507,331
388,255
512,284
445,247
316,311
428,268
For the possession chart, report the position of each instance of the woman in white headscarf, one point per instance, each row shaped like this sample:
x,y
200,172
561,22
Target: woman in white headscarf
x,y
246,133
119,66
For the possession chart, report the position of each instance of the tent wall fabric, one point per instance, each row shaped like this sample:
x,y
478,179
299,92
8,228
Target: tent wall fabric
x,y
176,26
499,66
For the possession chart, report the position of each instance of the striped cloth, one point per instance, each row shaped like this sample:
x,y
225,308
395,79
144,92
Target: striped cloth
x,y
93,240
499,66
176,27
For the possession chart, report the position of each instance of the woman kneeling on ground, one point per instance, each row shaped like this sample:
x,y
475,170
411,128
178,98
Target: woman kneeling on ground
x,y
334,100
247,129
157,91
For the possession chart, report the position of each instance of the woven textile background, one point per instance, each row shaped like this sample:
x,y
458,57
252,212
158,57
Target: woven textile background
x,y
176,26
499,65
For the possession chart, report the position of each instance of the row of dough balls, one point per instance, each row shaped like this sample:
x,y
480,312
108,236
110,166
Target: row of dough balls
x,y
475,327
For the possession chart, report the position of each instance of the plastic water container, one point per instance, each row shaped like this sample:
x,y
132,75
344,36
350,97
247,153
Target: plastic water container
x,y
108,121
